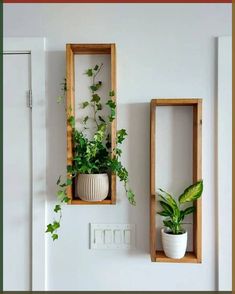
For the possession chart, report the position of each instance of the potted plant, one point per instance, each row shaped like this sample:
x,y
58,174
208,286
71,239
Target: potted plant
x,y
174,236
92,159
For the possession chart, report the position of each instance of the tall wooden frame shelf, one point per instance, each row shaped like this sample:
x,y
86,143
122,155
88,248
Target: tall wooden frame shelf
x,y
196,255
88,49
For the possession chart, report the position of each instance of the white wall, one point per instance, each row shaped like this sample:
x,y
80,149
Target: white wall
x,y
163,50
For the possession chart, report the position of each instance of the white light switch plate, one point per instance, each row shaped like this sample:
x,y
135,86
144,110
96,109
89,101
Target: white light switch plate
x,y
112,236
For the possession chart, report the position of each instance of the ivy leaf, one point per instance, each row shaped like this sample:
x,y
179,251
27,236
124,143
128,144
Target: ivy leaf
x,y
96,86
108,142
61,194
57,208
85,104
131,197
96,67
66,199
69,168
54,237
111,93
95,98
56,225
101,119
99,106
118,151
69,182
121,135
112,116
89,72
111,104
93,88
71,121
85,119
58,181
50,228
59,99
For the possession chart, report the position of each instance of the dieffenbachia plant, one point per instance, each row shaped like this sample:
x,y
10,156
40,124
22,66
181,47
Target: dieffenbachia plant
x,y
173,212
92,154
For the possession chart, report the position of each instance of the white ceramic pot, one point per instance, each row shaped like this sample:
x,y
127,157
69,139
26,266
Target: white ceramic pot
x,y
174,246
92,187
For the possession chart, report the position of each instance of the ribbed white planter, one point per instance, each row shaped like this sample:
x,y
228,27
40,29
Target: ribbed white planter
x,y
92,187
174,246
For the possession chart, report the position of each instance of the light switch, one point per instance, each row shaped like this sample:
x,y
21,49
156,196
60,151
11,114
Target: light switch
x,y
117,236
127,236
108,237
112,236
98,236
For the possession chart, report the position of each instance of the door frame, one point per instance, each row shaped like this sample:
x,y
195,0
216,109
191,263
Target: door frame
x,y
224,164
36,48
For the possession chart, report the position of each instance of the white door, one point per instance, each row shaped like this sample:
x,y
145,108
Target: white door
x,y
17,175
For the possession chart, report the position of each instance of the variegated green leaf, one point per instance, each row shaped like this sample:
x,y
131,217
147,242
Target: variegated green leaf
x,y
164,213
191,193
189,210
167,207
168,198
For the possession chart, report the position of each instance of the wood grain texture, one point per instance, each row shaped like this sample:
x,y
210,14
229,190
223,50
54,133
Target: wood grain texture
x,y
114,122
197,175
196,255
81,202
70,102
91,48
189,257
152,182
175,102
76,49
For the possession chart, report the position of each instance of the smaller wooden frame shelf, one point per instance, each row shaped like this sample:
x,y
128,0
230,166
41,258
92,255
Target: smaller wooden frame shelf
x,y
196,255
88,49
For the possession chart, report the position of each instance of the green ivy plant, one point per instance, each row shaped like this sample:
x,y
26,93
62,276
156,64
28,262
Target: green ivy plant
x,y
173,212
92,155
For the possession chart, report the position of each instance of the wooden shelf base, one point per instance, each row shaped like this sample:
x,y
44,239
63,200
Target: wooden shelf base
x,y
81,202
189,257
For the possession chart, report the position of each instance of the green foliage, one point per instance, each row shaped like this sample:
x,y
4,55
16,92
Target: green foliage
x,y
89,72
112,106
191,193
85,104
111,93
92,156
172,210
61,197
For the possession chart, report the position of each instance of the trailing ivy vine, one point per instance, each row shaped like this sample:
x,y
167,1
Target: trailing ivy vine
x,y
92,155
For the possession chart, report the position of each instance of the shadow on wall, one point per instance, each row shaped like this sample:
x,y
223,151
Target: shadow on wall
x,y
135,118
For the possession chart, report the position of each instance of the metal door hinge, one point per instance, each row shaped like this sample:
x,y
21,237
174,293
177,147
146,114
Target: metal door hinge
x,y
30,99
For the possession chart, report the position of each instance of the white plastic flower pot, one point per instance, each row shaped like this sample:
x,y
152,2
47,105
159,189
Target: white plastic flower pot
x,y
92,187
174,246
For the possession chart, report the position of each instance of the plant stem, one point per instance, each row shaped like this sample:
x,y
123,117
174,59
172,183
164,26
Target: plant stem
x,y
97,73
94,104
95,111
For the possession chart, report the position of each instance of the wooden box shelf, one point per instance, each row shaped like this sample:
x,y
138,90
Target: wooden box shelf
x,y
196,255
88,49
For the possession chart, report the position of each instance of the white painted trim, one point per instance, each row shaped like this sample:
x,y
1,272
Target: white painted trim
x,y
224,174
36,47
